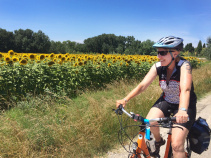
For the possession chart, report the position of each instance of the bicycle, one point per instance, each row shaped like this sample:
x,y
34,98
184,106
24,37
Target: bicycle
x,y
141,146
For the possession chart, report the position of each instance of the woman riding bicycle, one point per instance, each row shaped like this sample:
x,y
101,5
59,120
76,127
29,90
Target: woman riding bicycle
x,y
175,79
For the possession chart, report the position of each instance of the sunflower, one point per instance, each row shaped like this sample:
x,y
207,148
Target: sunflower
x,y
85,62
109,64
7,59
80,63
42,57
15,59
102,56
32,56
25,56
11,52
51,55
59,56
63,59
23,62
76,64
79,59
51,63
67,54
103,60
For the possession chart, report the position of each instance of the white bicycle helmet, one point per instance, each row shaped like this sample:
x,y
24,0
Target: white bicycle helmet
x,y
170,42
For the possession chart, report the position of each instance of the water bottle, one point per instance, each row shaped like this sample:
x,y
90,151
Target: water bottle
x,y
151,143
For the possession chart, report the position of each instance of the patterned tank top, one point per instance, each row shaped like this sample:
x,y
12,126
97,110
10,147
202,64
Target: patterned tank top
x,y
171,90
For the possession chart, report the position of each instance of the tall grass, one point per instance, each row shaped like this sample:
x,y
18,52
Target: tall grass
x,y
86,126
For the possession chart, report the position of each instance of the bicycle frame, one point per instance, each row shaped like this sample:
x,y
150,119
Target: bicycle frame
x,y
143,149
168,145
140,147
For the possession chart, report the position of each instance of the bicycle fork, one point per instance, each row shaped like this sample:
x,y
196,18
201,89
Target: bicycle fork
x,y
140,147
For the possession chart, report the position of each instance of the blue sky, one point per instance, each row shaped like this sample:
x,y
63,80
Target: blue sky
x,y
76,20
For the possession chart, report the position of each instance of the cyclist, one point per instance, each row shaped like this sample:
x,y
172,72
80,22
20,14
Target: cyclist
x,y
175,79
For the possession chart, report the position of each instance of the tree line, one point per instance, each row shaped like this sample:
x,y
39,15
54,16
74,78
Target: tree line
x,y
28,41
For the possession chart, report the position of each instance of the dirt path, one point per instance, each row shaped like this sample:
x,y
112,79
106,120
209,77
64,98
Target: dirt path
x,y
203,110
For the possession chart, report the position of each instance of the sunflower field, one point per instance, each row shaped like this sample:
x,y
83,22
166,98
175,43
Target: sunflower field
x,y
68,74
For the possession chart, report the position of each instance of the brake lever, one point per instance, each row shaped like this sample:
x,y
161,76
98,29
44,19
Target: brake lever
x,y
118,111
167,125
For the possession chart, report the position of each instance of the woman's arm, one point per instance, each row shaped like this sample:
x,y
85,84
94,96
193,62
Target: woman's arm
x,y
150,76
185,87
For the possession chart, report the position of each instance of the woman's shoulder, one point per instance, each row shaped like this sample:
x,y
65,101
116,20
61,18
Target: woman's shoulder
x,y
158,67
181,61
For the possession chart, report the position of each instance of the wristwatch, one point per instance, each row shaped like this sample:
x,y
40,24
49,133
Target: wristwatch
x,y
183,109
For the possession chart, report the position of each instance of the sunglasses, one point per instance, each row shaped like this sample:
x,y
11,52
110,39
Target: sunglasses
x,y
163,53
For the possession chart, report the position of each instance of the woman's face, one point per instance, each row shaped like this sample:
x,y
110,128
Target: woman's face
x,y
166,59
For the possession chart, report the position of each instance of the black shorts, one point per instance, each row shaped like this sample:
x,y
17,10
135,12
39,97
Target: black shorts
x,y
165,106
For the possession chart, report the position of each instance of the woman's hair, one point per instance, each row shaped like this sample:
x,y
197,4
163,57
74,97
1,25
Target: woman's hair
x,y
177,59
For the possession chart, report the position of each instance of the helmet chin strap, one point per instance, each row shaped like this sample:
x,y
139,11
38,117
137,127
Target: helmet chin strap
x,y
172,59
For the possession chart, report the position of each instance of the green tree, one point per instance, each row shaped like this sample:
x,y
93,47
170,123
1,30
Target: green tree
x,y
80,47
6,40
121,44
23,40
199,47
57,47
120,49
207,51
110,43
29,41
189,47
41,43
209,40
146,47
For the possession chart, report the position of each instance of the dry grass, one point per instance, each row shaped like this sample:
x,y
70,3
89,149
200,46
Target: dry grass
x,y
202,79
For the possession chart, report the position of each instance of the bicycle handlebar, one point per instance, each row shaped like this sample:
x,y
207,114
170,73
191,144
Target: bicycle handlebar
x,y
142,119
135,117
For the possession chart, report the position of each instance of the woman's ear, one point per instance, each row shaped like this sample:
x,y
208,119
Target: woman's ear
x,y
176,53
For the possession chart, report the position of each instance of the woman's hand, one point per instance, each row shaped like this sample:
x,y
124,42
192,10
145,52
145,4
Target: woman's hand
x,y
181,116
119,102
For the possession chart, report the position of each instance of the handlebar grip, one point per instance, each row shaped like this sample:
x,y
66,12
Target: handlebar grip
x,y
119,111
169,119
120,107
173,118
